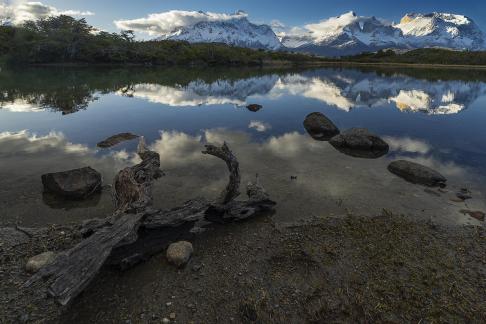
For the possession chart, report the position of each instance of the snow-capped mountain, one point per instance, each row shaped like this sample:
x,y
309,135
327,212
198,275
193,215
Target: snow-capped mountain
x,y
236,31
441,30
350,34
347,34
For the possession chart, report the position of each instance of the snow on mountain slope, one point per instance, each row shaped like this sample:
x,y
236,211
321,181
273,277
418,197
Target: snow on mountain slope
x,y
350,34
236,30
347,34
198,92
441,29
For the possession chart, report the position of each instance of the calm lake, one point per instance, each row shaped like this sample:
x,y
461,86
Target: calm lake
x,y
52,118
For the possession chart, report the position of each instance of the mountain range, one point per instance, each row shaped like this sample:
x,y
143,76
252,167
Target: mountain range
x,y
347,34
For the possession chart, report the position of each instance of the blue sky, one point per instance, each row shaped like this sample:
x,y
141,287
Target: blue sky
x,y
291,13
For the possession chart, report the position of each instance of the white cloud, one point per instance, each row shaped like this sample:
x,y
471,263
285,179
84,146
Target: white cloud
x,y
20,105
166,22
277,24
259,126
22,11
333,25
407,144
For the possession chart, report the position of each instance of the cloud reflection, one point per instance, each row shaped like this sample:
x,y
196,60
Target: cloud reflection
x,y
344,89
324,176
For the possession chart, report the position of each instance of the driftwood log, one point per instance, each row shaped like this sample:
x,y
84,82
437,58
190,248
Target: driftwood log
x,y
136,231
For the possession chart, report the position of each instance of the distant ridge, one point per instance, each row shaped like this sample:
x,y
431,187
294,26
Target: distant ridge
x,y
347,34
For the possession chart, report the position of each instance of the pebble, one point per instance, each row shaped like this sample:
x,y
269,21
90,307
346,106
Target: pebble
x,y
168,304
172,316
37,262
179,253
197,267
165,320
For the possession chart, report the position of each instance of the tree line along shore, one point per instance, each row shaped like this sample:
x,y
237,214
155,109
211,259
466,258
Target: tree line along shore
x,y
66,40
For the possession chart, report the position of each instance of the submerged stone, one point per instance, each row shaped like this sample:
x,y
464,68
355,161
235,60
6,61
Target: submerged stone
x,y
417,173
479,215
360,142
116,139
320,127
73,184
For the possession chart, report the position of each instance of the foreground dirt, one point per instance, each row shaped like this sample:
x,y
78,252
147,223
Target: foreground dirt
x,y
382,269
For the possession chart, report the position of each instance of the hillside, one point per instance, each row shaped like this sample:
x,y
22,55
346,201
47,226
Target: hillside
x,y
421,56
63,39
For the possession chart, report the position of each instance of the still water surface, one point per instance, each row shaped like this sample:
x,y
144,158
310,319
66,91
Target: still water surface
x,y
52,118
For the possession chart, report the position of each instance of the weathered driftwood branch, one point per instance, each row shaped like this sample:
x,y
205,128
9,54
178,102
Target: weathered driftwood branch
x,y
133,185
74,269
135,231
232,189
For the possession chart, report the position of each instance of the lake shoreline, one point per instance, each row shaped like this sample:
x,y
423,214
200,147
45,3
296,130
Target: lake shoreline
x,y
328,268
268,64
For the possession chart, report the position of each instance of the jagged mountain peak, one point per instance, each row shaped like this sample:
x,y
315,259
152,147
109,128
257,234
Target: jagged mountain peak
x,y
441,30
350,34
236,31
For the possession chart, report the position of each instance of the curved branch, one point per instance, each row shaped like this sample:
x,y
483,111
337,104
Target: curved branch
x,y
232,189
132,186
135,232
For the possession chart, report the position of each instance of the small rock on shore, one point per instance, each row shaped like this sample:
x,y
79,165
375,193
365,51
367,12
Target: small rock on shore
x,y
179,253
37,262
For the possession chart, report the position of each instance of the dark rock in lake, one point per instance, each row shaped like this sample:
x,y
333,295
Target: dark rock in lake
x,y
116,139
463,196
417,173
73,184
254,107
320,127
359,142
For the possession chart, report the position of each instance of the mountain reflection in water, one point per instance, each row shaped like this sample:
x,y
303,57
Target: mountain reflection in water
x,y
52,118
69,91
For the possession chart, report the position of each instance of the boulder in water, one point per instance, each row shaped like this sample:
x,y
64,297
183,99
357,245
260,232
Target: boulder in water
x,y
360,142
417,173
116,139
320,127
254,107
74,184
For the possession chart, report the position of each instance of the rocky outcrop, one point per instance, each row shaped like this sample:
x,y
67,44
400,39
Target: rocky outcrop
x,y
359,142
320,127
73,184
417,173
